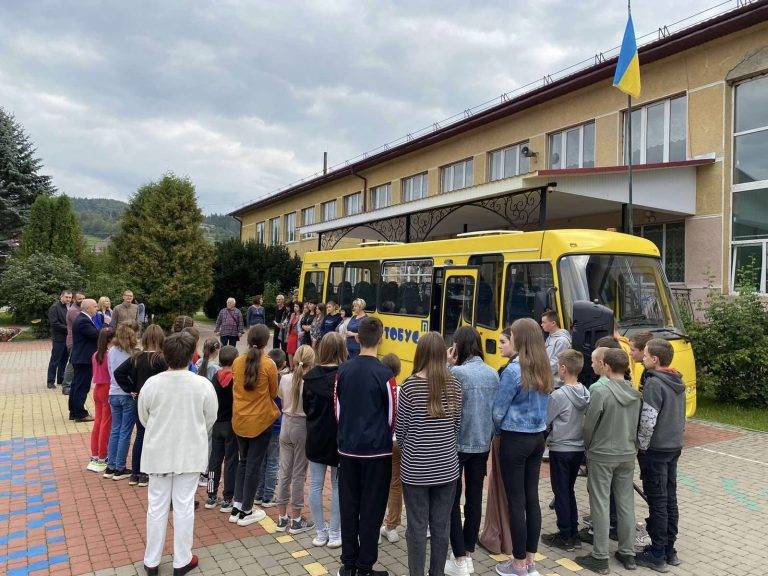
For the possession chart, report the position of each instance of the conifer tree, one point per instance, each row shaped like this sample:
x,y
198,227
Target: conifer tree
x,y
53,229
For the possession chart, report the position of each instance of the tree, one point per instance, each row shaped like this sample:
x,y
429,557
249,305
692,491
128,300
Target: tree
x,y
20,181
161,247
53,229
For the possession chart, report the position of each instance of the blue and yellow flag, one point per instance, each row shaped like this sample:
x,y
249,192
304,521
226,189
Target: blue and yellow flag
x,y
627,78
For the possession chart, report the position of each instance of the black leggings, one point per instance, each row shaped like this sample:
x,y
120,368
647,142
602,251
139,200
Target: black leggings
x,y
520,454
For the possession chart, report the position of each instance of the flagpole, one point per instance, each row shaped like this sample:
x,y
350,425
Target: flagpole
x,y
630,219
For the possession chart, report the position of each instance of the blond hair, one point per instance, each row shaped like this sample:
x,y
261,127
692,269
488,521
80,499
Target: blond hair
x,y
532,354
304,359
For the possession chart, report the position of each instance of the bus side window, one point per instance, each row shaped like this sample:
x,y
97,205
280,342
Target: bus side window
x,y
488,288
313,286
525,291
406,287
335,282
361,280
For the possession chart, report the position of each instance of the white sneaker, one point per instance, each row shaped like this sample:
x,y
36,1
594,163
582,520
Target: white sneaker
x,y
391,535
335,543
455,568
320,540
532,570
470,565
429,534
641,537
256,515
203,480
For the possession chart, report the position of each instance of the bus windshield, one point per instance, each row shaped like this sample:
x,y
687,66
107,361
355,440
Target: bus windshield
x,y
634,287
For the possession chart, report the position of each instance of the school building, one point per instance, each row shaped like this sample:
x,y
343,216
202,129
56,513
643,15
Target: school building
x,y
555,157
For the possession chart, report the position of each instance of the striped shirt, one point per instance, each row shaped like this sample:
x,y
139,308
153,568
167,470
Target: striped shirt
x,y
429,453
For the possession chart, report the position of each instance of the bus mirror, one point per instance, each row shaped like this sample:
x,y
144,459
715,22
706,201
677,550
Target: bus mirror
x,y
590,323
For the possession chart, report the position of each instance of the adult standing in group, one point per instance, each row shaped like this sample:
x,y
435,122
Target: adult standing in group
x,y
72,312
358,313
103,313
57,320
332,318
316,330
229,324
178,410
85,338
305,324
520,414
256,313
428,421
292,333
281,315
127,311
479,385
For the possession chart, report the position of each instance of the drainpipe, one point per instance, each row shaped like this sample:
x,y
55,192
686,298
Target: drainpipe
x,y
365,191
240,233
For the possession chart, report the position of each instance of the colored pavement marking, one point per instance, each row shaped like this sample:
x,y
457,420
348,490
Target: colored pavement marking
x,y
569,564
300,554
30,552
315,569
538,557
499,557
285,538
39,565
269,525
29,510
731,488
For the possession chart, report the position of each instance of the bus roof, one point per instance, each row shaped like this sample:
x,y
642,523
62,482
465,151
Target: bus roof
x,y
538,244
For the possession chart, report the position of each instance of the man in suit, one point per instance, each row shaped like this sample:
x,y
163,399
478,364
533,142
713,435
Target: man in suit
x,y
85,337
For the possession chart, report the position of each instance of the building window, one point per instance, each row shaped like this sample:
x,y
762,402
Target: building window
x,y
290,227
508,162
670,240
750,137
415,187
573,148
457,176
260,233
329,210
307,218
381,196
274,230
353,204
658,132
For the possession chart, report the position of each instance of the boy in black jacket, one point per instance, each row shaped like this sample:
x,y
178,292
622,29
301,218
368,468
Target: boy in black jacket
x,y
365,401
660,437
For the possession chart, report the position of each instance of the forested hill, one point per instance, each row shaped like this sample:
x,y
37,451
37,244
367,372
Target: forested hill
x,y
98,218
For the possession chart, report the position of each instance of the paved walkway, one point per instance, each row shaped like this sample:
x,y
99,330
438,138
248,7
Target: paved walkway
x,y
57,518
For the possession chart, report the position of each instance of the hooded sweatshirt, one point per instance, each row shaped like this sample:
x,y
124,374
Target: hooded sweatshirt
x,y
662,420
317,400
565,418
222,383
610,422
556,343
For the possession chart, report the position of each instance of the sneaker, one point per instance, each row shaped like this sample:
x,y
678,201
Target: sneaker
x,y
508,569
587,520
575,542
531,569
121,474
108,472
391,535
258,501
320,540
100,467
545,456
626,560
86,418
334,543
268,503
133,480
51,386
226,506
282,523
92,465
143,480
672,558
234,515
556,540
347,571
594,564
203,481
470,565
299,525
210,502
373,573
188,568
248,518
582,470
455,568
586,535
65,390
650,560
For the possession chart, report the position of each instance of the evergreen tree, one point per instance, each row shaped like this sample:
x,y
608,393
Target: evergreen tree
x,y
52,229
161,247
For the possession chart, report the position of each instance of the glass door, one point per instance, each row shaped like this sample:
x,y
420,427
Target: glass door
x,y
459,300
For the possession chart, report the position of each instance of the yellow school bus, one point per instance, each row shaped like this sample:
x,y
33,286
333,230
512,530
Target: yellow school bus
x,y
490,279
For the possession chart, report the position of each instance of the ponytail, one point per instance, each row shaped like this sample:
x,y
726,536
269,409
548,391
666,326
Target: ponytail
x,y
304,359
211,345
257,339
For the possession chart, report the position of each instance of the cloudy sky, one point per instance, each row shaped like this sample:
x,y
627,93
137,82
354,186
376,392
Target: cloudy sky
x,y
244,96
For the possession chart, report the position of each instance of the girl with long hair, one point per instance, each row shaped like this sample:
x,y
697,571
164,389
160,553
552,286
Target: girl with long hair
x,y
253,413
321,445
207,366
520,412
305,324
122,403
292,342
316,330
102,423
428,421
293,437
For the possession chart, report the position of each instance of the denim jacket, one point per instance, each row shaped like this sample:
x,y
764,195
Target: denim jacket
x,y
479,384
516,409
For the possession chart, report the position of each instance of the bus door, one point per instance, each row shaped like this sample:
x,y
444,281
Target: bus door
x,y
459,300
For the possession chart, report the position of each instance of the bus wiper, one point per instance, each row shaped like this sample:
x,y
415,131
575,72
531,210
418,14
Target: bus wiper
x,y
672,331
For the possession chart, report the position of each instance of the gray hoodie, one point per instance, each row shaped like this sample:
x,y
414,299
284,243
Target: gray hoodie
x,y
662,419
565,418
556,343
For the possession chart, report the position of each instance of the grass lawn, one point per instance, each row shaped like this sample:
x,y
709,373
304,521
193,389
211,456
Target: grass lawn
x,y
200,317
708,408
6,318
28,334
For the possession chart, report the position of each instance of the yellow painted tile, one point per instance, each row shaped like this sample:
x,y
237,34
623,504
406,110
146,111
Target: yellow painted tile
x,y
499,557
299,553
315,569
552,574
284,538
570,564
269,525
539,557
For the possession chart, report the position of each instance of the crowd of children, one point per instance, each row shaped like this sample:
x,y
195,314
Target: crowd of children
x,y
425,443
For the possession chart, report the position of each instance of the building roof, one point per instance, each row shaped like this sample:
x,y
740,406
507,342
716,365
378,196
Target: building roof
x,y
739,19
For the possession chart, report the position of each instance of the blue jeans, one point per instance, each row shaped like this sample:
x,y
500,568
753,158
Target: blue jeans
x,y
317,480
123,407
268,470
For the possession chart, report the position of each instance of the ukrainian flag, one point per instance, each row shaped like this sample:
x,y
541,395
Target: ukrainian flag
x,y
627,78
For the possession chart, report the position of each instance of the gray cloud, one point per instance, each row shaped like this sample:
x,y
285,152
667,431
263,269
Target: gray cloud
x,y
245,96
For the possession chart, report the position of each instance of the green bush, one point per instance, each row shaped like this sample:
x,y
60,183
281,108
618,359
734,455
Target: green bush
x,y
731,345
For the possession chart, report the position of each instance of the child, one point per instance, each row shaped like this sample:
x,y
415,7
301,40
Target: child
x,y
207,366
609,438
395,503
122,404
265,488
293,439
195,333
660,436
637,344
565,420
365,404
223,441
102,424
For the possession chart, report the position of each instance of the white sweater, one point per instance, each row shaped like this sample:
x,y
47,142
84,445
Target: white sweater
x,y
178,408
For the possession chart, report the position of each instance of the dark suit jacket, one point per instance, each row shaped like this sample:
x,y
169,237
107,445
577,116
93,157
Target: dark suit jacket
x,y
85,337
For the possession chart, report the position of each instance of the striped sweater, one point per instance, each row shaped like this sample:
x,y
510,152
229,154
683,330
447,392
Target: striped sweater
x,y
429,453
